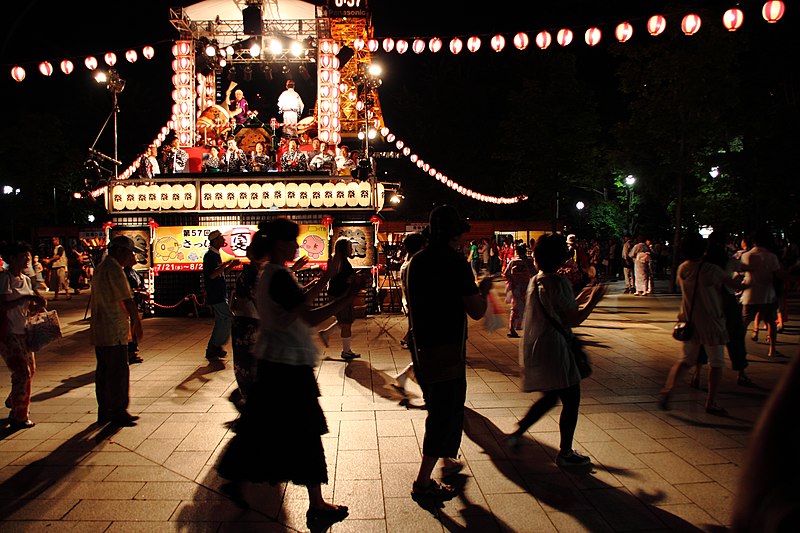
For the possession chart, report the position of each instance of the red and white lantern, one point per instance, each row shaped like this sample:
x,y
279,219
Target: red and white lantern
x,y
131,56
45,68
90,62
690,24
418,46
435,44
543,39
388,44
592,36
498,42
656,25
110,59
623,32
521,41
474,43
402,46
773,11
733,19
358,44
372,45
456,45
18,73
67,67
564,36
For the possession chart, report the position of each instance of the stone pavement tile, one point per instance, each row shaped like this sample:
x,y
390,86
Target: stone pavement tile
x,y
588,431
556,492
579,521
41,431
162,527
187,464
532,458
39,509
26,526
398,478
651,488
157,450
358,435
672,467
143,473
496,477
357,464
519,512
734,455
598,477
173,430
608,421
203,437
175,490
613,455
404,515
651,425
360,526
622,510
399,449
92,490
391,428
708,437
693,452
211,511
712,497
635,440
364,497
122,510
11,457
686,517
727,475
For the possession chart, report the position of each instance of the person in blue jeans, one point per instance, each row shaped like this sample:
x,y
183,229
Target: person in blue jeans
x,y
217,295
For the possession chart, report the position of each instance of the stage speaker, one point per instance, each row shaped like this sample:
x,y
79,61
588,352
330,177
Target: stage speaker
x,y
344,55
251,17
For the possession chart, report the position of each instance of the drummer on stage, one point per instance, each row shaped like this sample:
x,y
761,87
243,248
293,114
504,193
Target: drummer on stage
x,y
240,111
291,105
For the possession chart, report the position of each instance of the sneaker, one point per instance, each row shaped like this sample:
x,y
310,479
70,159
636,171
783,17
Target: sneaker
x,y
452,466
572,458
350,354
325,337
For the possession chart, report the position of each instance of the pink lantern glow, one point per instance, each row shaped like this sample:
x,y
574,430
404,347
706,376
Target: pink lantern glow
x,y
67,67
390,138
325,76
418,46
543,39
148,52
324,136
171,124
432,172
564,36
18,73
388,44
406,151
592,36
474,43
384,131
773,11
110,59
690,24
435,44
400,144
131,56
656,25
358,44
184,48
90,62
456,45
325,106
402,46
624,31
342,87
732,19
498,42
360,105
521,40
325,121
45,68
373,45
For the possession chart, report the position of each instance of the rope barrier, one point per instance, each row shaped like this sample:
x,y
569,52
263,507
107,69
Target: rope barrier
x,y
188,297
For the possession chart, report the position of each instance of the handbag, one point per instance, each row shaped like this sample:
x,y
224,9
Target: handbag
x,y
683,331
41,329
574,344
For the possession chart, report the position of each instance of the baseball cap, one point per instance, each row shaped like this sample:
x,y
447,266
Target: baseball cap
x,y
214,234
123,241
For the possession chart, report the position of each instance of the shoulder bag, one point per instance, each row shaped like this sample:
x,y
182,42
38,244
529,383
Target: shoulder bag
x,y
683,331
574,344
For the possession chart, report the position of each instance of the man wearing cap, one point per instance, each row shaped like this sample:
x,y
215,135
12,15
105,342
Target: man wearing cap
x,y
291,105
217,295
114,318
441,292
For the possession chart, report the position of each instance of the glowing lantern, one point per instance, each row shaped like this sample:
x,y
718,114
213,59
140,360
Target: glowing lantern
x,y
390,138
360,105
592,36
384,131
90,62
372,45
456,45
690,24
358,44
543,39
148,52
435,44
406,151
402,46
400,144
474,43
18,73
732,19
335,48
498,42
45,68
67,67
131,56
564,36
413,158
184,48
111,59
324,136
432,172
656,25
388,44
418,46
773,11
624,31
521,41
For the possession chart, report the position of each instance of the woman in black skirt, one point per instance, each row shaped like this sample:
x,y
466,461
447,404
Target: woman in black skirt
x,y
279,434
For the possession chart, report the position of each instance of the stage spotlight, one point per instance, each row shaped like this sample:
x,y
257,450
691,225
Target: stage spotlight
x,y
255,50
304,72
374,69
267,72
229,50
296,49
286,71
275,47
101,77
248,73
211,50
232,73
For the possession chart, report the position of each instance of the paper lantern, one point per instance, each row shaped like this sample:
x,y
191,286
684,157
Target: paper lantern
x,y
325,46
521,41
406,151
418,46
45,68
358,44
498,42
18,73
413,158
184,48
327,220
390,138
373,45
732,19
564,36
131,56
592,36
624,31
148,52
690,24
401,46
67,67
110,59
456,45
543,39
400,144
375,219
388,44
316,197
90,62
656,25
773,11
474,43
435,44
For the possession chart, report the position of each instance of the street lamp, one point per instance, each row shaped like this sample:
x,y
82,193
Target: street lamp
x,y
579,206
629,182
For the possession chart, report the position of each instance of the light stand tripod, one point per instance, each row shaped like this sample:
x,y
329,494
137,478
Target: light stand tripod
x,y
115,85
389,281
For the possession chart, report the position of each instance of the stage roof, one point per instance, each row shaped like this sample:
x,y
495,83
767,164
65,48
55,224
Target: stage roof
x,y
232,10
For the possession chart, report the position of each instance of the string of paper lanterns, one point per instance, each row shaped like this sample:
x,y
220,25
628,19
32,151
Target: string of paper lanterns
x,y
443,178
67,67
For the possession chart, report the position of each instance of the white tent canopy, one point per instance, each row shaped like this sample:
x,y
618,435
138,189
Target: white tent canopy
x,y
232,10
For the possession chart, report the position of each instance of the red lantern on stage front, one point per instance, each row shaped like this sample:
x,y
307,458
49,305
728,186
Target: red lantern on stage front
x,y
690,24
773,11
327,220
656,25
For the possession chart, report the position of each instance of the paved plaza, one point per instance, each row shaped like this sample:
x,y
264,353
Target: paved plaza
x,y
652,470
